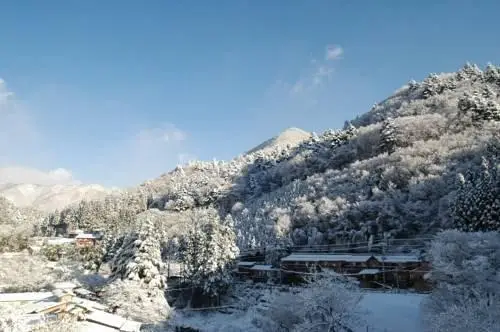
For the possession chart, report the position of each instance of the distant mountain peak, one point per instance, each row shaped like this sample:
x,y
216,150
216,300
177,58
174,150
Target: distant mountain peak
x,y
290,136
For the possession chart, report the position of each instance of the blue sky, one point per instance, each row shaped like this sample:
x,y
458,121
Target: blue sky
x,y
115,91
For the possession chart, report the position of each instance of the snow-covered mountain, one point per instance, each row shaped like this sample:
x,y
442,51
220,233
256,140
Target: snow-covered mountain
x,y
291,137
50,197
392,172
45,191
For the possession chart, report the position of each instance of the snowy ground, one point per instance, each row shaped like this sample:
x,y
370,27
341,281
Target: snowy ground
x,y
391,312
383,312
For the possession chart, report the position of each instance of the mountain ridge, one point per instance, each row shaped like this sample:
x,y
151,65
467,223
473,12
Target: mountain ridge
x,y
391,172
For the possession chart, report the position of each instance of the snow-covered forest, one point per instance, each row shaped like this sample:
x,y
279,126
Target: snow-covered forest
x,y
395,171
423,162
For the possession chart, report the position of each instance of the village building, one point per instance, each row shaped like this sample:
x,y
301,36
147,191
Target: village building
x,y
85,240
373,271
43,306
74,233
257,271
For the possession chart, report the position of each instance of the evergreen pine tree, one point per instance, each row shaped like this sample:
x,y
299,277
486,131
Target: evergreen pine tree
x,y
477,204
388,136
492,74
207,252
139,258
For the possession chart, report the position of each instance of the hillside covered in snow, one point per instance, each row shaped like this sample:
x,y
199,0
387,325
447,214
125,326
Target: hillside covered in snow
x,y
391,172
46,192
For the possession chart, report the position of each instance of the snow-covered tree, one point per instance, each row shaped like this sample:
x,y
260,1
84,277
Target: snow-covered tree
x,y
466,295
469,72
492,74
388,136
139,258
437,84
480,105
326,304
477,204
208,250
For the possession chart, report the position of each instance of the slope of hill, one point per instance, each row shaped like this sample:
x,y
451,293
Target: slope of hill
x,y
290,137
391,172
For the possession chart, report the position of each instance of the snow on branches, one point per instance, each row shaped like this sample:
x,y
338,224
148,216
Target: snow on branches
x,y
207,251
326,304
139,258
477,204
467,289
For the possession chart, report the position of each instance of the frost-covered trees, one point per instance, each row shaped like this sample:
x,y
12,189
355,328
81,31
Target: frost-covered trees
x,y
480,106
469,72
492,74
436,84
467,289
137,282
208,250
326,304
139,258
388,136
477,204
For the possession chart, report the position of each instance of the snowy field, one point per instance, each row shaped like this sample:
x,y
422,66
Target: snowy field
x,y
383,312
390,312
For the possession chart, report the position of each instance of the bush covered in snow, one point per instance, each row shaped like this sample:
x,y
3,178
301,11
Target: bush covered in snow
x,y
465,271
326,304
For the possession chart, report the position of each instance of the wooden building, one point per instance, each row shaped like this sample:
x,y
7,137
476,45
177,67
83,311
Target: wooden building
x,y
85,240
401,271
257,272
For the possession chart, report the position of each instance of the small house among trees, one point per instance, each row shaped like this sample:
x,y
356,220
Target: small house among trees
x,y
85,240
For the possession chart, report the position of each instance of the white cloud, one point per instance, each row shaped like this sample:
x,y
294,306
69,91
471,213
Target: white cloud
x,y
19,175
333,52
25,153
150,153
314,77
168,133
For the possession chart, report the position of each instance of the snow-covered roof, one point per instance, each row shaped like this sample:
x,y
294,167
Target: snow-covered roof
x,y
62,240
64,285
85,236
39,307
23,297
310,257
263,268
398,258
118,322
88,304
368,271
246,263
85,326
62,292
354,258
83,292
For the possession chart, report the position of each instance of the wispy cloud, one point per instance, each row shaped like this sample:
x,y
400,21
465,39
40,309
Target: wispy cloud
x,y
333,52
311,81
317,74
165,134
22,145
152,152
25,150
